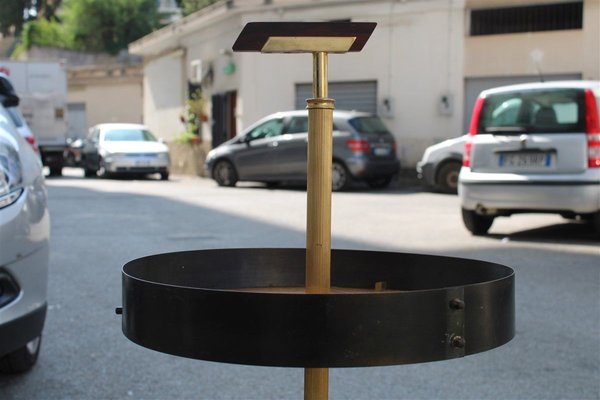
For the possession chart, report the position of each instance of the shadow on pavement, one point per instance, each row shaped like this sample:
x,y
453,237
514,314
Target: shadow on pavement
x,y
566,233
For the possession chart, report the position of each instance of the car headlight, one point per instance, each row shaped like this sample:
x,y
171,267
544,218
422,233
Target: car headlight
x,y
163,156
110,157
11,178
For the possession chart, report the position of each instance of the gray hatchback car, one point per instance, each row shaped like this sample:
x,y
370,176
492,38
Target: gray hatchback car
x,y
274,150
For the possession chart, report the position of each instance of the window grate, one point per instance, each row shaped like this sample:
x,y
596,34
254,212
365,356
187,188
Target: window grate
x,y
547,17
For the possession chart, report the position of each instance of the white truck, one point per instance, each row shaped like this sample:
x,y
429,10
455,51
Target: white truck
x,y
42,88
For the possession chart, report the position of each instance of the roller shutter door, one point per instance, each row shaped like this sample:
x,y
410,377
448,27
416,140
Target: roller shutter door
x,y
359,96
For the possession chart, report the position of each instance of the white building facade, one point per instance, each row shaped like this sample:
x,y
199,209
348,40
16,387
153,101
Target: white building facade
x,y
421,70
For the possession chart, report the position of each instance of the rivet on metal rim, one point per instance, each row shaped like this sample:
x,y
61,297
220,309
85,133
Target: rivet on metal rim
x,y
457,304
458,342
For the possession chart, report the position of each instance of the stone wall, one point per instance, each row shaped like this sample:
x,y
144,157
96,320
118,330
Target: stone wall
x,y
188,158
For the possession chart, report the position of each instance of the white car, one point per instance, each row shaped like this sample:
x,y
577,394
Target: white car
x,y
533,148
24,241
115,148
440,165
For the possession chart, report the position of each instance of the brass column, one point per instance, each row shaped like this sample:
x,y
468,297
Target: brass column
x,y
318,224
318,39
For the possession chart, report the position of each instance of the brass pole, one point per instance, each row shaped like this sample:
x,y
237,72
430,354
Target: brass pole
x,y
318,225
319,89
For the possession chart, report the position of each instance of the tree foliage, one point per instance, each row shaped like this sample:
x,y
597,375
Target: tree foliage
x,y
42,32
15,13
11,16
108,25
89,25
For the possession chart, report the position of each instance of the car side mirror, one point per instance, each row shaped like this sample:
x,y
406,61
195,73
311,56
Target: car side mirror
x,y
9,100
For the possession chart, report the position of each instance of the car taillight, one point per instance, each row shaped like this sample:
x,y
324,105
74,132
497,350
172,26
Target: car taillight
x,y
31,140
472,131
358,146
592,128
466,161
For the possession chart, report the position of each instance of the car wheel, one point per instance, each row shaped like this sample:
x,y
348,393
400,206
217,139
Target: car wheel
x,y
102,172
596,222
475,223
224,173
56,171
164,176
89,173
23,359
340,178
379,183
447,177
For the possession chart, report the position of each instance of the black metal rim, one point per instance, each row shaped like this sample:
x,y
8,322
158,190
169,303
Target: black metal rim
x,y
200,304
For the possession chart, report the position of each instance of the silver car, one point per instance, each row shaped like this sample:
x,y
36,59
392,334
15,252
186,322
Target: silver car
x,y
120,148
533,148
24,238
274,150
440,165
6,88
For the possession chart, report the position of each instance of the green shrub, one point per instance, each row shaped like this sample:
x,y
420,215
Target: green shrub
x,y
41,32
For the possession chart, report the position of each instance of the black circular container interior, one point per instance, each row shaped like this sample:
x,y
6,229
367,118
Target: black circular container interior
x,y
247,306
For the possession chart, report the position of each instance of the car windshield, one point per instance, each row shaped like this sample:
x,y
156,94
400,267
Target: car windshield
x,y
547,111
369,125
129,135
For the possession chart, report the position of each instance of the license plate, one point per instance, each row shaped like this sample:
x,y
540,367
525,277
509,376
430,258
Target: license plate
x,y
142,163
381,151
537,160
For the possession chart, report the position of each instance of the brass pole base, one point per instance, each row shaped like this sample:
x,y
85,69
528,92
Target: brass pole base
x,y
318,225
316,383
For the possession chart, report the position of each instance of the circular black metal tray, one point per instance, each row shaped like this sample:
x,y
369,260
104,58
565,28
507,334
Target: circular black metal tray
x,y
248,306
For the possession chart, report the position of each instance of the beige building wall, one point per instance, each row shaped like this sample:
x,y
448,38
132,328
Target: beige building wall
x,y
164,95
120,102
108,93
419,54
591,40
211,47
553,52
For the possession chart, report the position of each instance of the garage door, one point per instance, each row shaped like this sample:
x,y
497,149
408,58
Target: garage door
x,y
474,86
359,96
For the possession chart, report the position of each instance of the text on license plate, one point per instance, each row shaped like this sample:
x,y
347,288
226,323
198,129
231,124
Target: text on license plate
x,y
381,151
142,163
537,159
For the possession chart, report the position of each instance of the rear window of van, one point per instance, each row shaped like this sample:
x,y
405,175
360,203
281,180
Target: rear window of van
x,y
534,111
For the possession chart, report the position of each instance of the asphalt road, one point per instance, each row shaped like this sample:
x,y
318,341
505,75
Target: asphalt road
x,y
98,225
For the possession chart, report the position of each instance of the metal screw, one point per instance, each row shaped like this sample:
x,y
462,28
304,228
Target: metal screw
x,y
119,310
458,342
457,304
